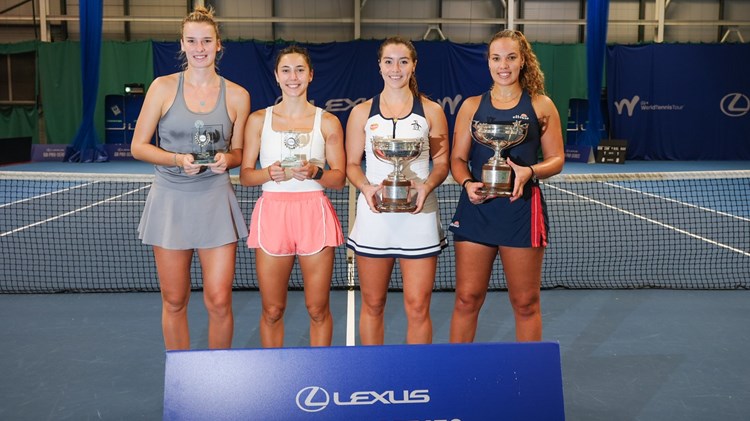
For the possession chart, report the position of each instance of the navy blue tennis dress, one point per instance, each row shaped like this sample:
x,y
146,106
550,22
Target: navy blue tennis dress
x,y
498,221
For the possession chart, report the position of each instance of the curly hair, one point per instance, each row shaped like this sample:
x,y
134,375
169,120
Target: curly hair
x,y
201,15
531,78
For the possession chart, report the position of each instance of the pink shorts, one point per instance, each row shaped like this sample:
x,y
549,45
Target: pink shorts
x,y
287,224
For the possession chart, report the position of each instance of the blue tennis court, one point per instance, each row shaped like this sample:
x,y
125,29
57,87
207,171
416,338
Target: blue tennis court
x,y
650,310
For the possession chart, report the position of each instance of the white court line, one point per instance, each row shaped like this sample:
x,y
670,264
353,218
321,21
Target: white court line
x,y
668,199
46,194
72,212
350,306
653,221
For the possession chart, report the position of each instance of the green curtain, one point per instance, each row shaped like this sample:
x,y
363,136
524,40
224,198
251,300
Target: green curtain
x,y
564,67
19,120
60,80
18,47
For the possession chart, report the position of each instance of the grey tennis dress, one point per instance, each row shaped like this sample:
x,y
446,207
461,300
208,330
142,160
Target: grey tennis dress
x,y
191,212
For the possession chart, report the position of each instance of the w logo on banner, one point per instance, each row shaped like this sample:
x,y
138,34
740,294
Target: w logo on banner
x,y
629,103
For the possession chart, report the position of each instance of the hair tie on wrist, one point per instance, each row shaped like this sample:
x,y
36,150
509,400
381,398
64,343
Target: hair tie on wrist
x,y
463,185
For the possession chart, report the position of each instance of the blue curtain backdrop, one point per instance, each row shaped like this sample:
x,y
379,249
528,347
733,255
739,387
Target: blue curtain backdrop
x,y
596,46
86,146
346,73
669,108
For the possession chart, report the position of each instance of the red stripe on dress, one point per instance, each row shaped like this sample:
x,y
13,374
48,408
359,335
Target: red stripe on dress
x,y
538,231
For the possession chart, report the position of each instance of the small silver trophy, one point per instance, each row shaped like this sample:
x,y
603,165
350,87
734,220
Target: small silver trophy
x,y
498,137
207,142
294,148
395,197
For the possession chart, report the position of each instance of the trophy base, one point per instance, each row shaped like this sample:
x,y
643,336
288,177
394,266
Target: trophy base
x,y
494,192
497,180
203,159
395,197
294,161
396,207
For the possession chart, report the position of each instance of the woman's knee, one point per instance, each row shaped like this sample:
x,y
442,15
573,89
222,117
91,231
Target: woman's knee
x,y
273,313
318,312
526,305
469,302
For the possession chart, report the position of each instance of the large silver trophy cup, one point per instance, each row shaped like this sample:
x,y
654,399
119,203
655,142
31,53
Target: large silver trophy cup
x,y
496,174
399,152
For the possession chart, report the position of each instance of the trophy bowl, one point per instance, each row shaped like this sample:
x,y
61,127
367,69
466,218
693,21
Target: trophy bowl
x,y
295,143
398,152
496,173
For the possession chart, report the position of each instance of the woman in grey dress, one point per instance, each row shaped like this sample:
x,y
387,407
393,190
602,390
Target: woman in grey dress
x,y
191,205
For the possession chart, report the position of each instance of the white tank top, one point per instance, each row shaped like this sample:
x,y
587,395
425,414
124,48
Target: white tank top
x,y
272,149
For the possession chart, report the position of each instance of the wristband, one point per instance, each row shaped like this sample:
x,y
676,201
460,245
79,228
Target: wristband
x,y
318,174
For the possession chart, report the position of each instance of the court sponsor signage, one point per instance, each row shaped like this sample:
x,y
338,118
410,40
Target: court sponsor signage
x,y
47,153
447,382
579,153
612,151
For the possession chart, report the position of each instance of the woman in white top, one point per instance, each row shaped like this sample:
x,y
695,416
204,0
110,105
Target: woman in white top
x,y
379,238
294,218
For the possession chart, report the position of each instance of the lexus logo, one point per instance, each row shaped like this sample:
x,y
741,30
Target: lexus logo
x,y
312,399
735,105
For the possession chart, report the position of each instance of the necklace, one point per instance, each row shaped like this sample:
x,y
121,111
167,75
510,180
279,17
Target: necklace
x,y
502,100
207,86
390,110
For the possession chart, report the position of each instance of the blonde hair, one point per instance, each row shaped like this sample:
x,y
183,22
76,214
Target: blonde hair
x,y
201,15
531,78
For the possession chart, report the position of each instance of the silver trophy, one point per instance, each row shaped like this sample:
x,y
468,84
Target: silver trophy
x,y
496,174
294,148
207,142
399,152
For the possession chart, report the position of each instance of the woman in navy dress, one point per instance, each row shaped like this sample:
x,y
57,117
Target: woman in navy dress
x,y
515,228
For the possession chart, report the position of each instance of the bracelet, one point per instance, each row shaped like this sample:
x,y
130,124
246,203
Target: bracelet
x,y
174,158
463,185
533,173
366,183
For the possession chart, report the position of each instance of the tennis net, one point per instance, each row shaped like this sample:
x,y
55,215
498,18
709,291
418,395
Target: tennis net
x,y
78,232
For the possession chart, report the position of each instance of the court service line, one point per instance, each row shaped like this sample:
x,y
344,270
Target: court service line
x,y
72,212
669,199
653,221
350,305
47,194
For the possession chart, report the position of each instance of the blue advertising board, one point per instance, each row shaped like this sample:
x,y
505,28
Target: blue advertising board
x,y
451,382
667,108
